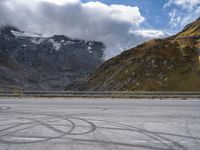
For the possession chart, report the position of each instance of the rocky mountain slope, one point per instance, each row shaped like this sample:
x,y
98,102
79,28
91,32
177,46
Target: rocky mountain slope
x,y
170,64
30,61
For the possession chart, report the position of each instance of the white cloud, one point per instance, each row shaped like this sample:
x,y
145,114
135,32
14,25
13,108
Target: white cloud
x,y
60,2
190,17
189,11
57,2
175,19
110,24
189,5
150,33
116,12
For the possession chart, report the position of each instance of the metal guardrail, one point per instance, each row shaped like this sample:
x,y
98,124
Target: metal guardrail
x,y
100,94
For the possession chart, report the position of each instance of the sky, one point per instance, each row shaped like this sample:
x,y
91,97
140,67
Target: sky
x,y
166,15
119,24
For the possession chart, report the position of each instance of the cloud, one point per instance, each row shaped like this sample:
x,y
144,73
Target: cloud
x,y
59,2
151,33
189,5
111,24
189,11
175,19
191,17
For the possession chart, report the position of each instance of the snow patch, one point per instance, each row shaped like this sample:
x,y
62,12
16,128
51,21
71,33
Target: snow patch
x,y
89,47
69,42
56,45
90,43
37,40
24,34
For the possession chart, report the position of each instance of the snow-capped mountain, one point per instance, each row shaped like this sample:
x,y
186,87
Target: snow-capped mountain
x,y
32,61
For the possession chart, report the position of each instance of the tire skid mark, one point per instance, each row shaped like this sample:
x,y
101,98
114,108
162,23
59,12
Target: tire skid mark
x,y
167,139
18,125
93,126
120,144
92,129
4,108
35,122
136,129
162,133
157,139
71,130
152,137
189,132
91,141
97,135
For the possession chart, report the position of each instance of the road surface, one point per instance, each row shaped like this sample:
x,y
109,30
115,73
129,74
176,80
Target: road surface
x,y
99,124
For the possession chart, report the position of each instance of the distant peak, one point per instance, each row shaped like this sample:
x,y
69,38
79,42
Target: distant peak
x,y
9,28
6,31
60,38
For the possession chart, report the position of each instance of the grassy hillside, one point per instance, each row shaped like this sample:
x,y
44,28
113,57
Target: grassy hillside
x,y
170,64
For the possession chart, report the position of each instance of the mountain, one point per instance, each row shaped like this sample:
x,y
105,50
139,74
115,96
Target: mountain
x,y
31,61
169,64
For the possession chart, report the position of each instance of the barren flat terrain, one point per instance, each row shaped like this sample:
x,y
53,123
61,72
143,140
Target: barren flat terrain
x,y
99,124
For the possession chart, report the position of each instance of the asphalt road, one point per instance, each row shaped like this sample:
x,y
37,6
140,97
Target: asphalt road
x,y
99,124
